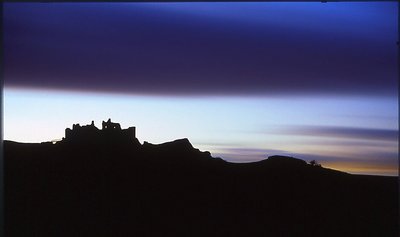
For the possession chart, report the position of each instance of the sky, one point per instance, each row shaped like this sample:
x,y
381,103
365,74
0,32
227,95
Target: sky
x,y
241,80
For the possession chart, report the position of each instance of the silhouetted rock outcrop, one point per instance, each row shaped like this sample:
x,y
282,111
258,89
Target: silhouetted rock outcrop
x,y
90,185
285,161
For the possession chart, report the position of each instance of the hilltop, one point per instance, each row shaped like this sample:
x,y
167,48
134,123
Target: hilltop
x,y
105,183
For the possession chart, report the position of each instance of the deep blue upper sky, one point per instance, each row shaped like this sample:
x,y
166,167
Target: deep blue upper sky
x,y
203,48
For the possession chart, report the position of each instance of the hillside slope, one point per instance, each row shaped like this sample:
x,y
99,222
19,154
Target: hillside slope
x,y
172,189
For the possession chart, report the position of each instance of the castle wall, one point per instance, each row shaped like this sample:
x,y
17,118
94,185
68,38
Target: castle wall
x,y
91,134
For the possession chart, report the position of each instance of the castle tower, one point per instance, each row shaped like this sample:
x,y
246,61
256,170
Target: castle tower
x,y
111,133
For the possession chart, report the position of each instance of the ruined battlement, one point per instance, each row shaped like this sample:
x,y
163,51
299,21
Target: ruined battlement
x,y
110,133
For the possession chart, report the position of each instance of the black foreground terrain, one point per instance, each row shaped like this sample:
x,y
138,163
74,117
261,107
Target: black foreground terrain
x,y
172,189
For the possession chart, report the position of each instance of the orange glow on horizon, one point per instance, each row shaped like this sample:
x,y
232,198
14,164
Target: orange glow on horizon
x,y
371,168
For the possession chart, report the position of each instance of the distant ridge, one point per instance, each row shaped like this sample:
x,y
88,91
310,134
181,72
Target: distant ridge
x,y
105,183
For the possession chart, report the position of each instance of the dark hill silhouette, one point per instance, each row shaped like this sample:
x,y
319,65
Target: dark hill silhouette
x,y
114,186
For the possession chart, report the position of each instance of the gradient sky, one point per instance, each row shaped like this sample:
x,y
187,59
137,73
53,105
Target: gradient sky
x,y
242,80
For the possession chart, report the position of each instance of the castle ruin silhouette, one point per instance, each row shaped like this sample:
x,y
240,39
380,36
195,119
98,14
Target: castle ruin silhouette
x,y
110,133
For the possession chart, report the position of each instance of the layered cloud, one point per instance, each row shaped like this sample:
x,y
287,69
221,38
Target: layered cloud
x,y
342,132
203,49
